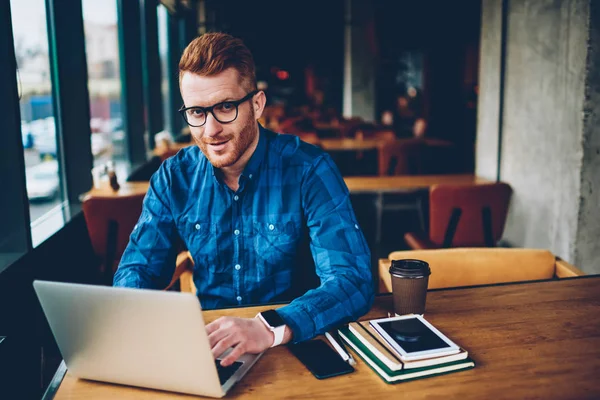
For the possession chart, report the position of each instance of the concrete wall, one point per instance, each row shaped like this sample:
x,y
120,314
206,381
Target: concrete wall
x,y
359,61
489,90
587,250
542,140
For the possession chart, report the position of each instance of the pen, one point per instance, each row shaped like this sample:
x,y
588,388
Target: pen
x,y
339,347
341,342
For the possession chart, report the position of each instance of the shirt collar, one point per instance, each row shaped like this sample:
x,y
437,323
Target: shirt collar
x,y
251,170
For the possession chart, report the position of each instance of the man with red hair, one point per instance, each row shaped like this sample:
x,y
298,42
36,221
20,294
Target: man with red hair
x,y
243,200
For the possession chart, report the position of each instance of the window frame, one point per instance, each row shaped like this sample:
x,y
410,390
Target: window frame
x,y
15,237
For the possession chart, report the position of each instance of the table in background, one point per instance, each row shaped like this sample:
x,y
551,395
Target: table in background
x,y
377,185
349,144
125,189
381,185
400,183
537,339
356,184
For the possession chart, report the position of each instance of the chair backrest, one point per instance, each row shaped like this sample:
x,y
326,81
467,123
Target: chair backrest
x,y
110,221
480,266
468,215
399,157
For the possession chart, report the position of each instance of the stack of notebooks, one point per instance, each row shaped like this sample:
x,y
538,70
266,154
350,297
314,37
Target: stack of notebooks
x,y
392,366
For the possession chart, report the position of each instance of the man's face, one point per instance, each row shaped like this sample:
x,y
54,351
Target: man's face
x,y
223,144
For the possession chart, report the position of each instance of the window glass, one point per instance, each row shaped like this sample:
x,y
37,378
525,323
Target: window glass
x,y
163,49
38,128
104,85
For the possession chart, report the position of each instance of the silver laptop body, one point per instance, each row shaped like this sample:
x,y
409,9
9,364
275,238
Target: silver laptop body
x,y
138,337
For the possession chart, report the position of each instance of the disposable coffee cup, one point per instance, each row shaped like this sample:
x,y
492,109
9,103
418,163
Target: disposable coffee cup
x,y
409,285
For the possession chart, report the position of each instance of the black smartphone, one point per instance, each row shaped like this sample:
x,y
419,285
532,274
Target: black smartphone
x,y
320,359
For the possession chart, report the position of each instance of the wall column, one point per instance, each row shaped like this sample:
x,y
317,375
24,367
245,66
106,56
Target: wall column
x,y
359,60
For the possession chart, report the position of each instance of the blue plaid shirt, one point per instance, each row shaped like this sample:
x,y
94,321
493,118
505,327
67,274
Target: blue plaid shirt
x,y
245,244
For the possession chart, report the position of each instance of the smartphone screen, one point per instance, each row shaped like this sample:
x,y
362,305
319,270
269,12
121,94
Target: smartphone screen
x,y
320,359
412,335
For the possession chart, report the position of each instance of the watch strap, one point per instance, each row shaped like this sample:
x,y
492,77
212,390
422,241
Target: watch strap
x,y
278,331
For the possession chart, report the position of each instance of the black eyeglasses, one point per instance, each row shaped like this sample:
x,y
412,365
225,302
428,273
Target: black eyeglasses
x,y
224,112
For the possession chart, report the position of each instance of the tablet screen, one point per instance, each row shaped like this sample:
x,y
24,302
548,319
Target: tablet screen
x,y
412,335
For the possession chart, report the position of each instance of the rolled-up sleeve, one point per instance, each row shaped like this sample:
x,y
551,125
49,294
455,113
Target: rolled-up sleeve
x,y
149,259
341,254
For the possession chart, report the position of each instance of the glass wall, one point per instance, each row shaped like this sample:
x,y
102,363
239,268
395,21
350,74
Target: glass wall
x,y
38,127
104,84
163,50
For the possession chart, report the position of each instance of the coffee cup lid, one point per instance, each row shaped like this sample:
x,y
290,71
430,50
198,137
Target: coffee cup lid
x,y
410,268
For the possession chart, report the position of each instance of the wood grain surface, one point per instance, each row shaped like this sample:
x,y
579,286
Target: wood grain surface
x,y
531,340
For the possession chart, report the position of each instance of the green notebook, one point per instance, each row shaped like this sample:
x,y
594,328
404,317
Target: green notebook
x,y
390,376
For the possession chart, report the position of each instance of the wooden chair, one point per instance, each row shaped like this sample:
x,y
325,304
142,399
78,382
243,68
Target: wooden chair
x,y
399,157
110,219
481,266
464,216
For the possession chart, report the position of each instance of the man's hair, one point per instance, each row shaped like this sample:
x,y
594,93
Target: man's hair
x,y
213,53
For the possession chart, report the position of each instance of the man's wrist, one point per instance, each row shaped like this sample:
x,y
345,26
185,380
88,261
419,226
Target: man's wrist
x,y
280,333
288,335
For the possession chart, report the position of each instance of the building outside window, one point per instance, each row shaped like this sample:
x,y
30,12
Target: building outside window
x,y
104,85
38,126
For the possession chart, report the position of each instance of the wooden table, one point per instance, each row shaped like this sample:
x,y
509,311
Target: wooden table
x,y
126,189
400,183
380,185
349,144
356,184
539,339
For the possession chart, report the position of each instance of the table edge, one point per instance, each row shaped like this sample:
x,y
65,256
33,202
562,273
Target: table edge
x,y
56,381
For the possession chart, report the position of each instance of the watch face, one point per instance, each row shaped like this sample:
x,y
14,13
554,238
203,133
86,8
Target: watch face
x,y
272,318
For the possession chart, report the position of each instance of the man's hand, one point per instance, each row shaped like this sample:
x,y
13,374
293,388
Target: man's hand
x,y
245,335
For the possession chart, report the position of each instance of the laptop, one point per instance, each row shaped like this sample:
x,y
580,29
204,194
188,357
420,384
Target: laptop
x,y
138,337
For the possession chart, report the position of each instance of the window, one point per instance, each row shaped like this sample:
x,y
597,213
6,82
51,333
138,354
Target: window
x,y
104,85
38,127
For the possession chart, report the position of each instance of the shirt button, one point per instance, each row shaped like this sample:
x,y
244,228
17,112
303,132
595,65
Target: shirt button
x,y
271,227
238,267
236,232
197,227
239,298
236,198
356,226
250,176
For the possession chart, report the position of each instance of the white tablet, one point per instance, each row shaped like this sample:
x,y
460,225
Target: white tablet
x,y
413,337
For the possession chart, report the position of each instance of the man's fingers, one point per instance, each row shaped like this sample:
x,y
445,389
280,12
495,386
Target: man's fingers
x,y
213,326
216,336
225,343
234,355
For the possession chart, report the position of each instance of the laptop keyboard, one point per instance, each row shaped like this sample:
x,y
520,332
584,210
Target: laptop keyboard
x,y
226,372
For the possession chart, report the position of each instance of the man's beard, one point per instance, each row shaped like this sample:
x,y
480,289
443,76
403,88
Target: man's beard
x,y
239,144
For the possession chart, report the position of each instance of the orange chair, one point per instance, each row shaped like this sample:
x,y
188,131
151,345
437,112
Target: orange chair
x,y
399,157
110,219
464,216
481,266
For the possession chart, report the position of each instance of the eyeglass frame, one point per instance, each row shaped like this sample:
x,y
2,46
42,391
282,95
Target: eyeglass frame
x,y
209,109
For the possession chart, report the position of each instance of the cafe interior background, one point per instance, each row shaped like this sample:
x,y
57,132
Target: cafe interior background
x,y
503,90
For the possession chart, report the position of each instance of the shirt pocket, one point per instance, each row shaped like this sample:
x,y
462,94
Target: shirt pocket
x,y
276,244
200,238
